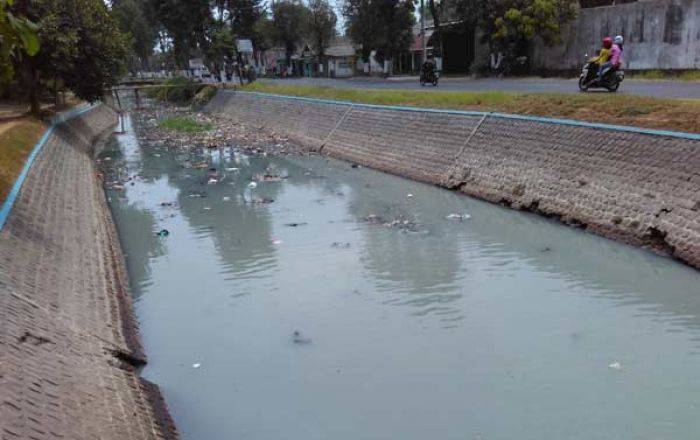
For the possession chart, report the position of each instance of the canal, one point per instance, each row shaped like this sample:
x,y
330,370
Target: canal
x,y
338,302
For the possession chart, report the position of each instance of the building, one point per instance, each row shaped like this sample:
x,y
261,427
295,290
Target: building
x,y
341,58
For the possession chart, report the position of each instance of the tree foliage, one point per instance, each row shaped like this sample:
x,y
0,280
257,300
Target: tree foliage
x,y
289,19
381,25
131,15
82,47
242,16
185,22
321,25
18,36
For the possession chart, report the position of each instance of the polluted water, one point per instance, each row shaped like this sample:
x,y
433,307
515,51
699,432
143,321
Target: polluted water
x,y
344,309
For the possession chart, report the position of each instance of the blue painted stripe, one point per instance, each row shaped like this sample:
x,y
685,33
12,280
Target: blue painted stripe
x,y
554,121
14,192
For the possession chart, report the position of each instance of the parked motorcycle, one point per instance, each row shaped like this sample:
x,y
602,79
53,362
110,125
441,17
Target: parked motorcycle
x,y
611,80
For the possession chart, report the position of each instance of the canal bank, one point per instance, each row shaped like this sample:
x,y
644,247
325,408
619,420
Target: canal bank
x,y
333,301
70,352
636,186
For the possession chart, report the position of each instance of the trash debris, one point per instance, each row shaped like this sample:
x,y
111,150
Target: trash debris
x,y
615,366
197,194
252,185
409,195
459,217
226,198
294,225
166,204
276,242
298,338
196,365
545,249
337,244
232,169
212,181
355,166
261,201
163,233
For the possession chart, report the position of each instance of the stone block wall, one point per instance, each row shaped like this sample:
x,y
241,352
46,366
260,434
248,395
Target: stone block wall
x,y
639,187
69,346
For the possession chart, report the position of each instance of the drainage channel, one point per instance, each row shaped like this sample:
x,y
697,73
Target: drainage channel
x,y
332,301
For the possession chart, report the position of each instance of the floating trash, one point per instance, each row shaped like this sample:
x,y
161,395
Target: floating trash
x,y
337,244
196,365
163,233
615,366
294,225
298,338
458,217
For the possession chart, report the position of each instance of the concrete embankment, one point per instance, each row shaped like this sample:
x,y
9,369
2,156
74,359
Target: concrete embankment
x,y
69,345
640,187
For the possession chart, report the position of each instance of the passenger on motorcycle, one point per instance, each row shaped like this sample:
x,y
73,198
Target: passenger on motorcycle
x,y
615,60
428,68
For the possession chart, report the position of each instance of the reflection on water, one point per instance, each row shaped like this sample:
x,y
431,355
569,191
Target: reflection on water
x,y
500,326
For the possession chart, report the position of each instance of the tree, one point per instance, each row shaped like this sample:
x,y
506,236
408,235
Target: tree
x,y
512,24
185,23
381,25
321,25
243,14
395,23
221,49
132,19
288,24
361,23
18,37
81,47
436,10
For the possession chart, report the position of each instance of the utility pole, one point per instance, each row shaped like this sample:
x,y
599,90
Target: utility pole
x,y
424,55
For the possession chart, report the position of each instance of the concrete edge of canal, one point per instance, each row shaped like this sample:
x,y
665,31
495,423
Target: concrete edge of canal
x,y
70,352
640,187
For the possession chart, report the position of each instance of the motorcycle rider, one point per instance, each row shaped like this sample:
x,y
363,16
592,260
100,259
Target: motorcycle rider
x,y
615,60
428,69
604,53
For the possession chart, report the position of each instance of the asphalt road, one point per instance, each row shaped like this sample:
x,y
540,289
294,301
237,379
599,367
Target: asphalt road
x,y
664,89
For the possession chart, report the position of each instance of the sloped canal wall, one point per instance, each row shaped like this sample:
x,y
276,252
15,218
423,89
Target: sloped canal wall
x,y
69,345
641,187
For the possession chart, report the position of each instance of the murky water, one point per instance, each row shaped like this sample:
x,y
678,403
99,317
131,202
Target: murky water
x,y
501,326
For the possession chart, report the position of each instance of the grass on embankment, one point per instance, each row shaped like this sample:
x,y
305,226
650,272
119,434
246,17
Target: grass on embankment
x,y
611,108
17,139
185,124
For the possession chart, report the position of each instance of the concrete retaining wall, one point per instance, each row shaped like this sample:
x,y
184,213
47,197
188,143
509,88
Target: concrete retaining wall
x,y
640,187
69,346
659,34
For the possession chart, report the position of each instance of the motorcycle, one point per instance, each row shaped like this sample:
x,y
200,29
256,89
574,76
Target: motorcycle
x,y
429,77
611,80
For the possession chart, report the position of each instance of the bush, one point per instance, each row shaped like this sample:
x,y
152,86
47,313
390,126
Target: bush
x,y
185,124
204,96
177,90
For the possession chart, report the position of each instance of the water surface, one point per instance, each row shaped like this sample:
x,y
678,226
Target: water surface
x,y
503,325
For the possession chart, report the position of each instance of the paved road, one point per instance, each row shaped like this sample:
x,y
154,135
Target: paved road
x,y
666,89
